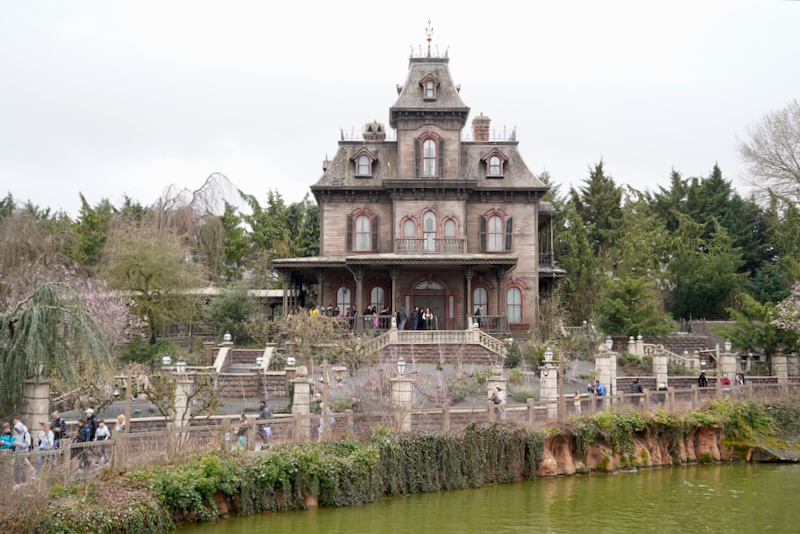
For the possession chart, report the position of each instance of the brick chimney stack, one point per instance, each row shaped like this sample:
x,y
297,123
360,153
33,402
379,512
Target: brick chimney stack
x,y
480,128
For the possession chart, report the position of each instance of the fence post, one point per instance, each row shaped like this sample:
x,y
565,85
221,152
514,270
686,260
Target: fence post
x,y
67,458
531,412
490,411
695,396
445,417
671,397
170,438
251,432
592,404
349,414
226,435
298,427
750,393
647,405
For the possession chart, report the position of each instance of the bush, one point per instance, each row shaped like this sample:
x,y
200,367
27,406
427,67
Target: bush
x,y
523,394
515,376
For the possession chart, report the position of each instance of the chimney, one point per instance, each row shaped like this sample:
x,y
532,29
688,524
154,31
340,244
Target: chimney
x,y
480,128
326,163
374,131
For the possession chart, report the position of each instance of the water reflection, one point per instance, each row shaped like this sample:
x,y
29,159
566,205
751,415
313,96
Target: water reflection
x,y
715,499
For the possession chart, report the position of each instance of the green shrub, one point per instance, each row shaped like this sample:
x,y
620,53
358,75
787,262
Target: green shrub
x,y
515,376
523,394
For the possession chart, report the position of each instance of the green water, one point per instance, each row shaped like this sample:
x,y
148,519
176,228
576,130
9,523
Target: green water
x,y
702,498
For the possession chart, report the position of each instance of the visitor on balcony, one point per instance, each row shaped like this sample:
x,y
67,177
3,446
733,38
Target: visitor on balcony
x,y
427,319
415,317
402,317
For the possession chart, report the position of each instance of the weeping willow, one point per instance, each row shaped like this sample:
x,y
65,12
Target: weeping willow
x,y
49,334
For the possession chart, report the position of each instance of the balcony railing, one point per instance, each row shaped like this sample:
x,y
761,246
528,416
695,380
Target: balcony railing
x,y
434,245
491,323
545,258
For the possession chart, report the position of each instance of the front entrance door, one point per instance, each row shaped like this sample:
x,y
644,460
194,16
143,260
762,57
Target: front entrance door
x,y
436,304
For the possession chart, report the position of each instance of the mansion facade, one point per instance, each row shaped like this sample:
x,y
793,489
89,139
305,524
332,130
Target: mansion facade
x,y
438,217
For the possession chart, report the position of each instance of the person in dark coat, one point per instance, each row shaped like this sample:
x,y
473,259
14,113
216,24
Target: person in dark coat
x,y
415,317
702,381
91,419
636,389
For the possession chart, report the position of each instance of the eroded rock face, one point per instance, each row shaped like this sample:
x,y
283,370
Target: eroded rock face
x,y
600,457
548,467
706,444
562,453
688,445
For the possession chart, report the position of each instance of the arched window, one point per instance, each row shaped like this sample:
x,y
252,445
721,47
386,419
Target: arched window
x,y
450,228
363,233
430,91
495,238
494,166
450,242
429,158
429,230
409,233
343,299
364,166
376,298
480,297
514,305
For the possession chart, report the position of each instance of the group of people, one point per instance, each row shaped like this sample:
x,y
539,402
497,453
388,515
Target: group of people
x,y
17,438
418,319
725,382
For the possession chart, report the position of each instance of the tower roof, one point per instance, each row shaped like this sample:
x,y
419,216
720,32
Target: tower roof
x,y
412,97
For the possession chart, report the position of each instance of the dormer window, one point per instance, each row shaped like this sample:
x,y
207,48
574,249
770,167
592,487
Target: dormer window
x,y
495,163
430,87
363,161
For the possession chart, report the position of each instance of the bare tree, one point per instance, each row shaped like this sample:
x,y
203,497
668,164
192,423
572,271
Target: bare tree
x,y
771,151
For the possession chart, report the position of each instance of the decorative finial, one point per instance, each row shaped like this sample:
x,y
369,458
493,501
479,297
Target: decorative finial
x,y
429,32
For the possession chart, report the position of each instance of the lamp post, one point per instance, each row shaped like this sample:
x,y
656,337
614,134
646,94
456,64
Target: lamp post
x,y
609,343
290,361
401,366
166,360
550,363
259,361
401,396
181,365
227,337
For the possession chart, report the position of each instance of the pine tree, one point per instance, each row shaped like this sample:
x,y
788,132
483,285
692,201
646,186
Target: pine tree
x,y
598,204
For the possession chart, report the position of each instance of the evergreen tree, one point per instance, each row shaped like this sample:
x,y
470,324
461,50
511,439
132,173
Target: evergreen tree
x,y
598,203
90,230
237,244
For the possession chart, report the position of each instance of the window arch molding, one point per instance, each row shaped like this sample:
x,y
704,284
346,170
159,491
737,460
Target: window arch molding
x,y
515,301
429,155
363,160
496,231
362,230
343,284
430,87
374,284
495,163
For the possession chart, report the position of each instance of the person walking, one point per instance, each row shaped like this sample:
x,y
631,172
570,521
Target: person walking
x,y
402,317
102,434
702,381
738,378
265,414
415,315
59,428
636,389
46,443
93,423
22,444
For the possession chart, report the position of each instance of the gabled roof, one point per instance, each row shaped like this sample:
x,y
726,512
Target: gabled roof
x,y
341,171
516,174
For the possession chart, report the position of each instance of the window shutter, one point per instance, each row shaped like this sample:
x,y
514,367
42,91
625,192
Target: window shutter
x,y
349,234
417,155
441,158
509,233
374,233
483,232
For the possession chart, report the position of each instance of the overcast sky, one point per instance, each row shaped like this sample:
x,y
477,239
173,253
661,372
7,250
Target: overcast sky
x,y
109,98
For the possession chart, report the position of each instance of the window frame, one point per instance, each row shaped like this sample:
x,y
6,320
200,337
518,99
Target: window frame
x,y
476,304
520,306
424,82
366,234
359,168
501,164
493,238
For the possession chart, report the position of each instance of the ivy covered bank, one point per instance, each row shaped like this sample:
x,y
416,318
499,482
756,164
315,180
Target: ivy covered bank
x,y
351,471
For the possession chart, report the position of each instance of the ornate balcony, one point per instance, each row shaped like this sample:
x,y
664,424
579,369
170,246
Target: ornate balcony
x,y
441,245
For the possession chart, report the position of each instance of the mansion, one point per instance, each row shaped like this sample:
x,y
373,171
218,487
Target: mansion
x,y
432,215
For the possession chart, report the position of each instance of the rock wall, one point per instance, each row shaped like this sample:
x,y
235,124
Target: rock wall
x,y
432,353
703,444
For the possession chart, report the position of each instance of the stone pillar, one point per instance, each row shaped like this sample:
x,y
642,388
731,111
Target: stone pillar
x,y
393,272
208,353
612,366
548,389
468,275
35,405
497,380
660,367
793,364
182,390
401,401
639,346
602,362
727,362
780,368
285,294
300,404
631,345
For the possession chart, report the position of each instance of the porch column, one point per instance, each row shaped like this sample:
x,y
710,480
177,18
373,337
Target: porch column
x,y
285,293
468,274
501,294
320,281
393,271
358,274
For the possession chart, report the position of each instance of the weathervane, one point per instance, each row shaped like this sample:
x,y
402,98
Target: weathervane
x,y
429,32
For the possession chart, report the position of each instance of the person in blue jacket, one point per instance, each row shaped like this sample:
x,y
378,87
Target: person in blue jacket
x,y
6,438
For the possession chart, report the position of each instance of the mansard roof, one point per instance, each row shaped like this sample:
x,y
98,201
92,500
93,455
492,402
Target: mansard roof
x,y
516,174
411,96
341,171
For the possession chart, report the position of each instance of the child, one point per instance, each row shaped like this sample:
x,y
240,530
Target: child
x,y
102,434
